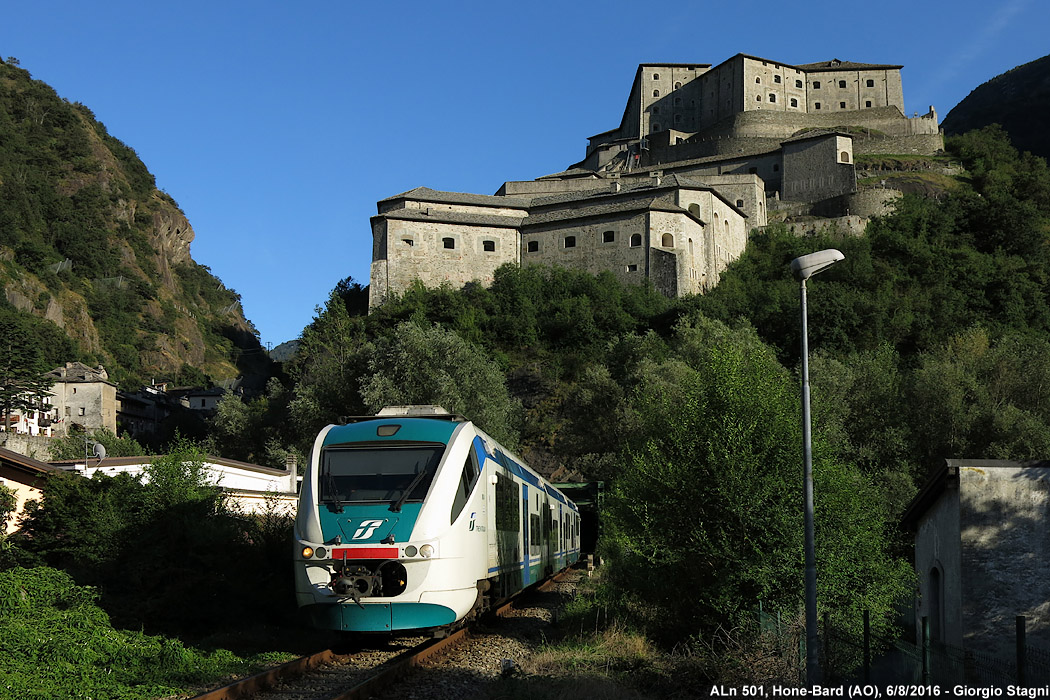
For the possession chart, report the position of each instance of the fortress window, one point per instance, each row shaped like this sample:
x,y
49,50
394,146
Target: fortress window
x,y
869,83
678,100
772,97
798,83
753,171
636,240
570,241
776,78
667,241
816,84
608,236
656,93
842,105
408,241
758,80
867,103
656,110
844,157
678,119
656,127
532,246
449,243
740,203
758,98
677,86
816,105
794,102
488,246
632,268
776,167
656,76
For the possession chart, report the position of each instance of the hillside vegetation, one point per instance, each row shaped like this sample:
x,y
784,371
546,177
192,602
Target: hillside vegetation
x,y
90,247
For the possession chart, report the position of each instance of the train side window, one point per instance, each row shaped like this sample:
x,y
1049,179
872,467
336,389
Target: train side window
x,y
508,505
467,479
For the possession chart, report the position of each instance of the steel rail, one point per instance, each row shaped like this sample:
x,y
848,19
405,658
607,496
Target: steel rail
x,y
386,674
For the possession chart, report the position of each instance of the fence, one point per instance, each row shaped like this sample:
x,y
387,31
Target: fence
x,y
869,658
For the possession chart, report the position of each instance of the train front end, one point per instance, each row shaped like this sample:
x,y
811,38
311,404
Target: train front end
x,y
366,550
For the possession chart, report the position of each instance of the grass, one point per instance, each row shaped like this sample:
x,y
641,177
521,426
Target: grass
x,y
55,642
592,653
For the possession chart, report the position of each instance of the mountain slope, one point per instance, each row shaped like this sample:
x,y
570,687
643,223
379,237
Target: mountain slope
x,y
88,242
1018,100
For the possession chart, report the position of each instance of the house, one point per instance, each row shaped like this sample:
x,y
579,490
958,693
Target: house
x,y
248,485
83,396
982,530
25,476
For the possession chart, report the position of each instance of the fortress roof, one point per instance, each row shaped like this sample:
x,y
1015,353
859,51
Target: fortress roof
x,y
836,64
602,209
443,216
425,194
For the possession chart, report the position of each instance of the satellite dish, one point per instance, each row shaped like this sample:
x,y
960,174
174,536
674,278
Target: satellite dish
x,y
99,451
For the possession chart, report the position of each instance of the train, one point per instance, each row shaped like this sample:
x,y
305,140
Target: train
x,y
416,520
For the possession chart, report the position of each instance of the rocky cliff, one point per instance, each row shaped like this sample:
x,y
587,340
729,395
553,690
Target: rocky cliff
x,y
88,243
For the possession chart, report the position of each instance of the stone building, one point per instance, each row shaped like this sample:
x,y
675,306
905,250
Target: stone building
x,y
691,107
676,232
701,157
981,531
83,396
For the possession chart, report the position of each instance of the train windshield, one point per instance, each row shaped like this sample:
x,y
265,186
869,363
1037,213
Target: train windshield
x,y
369,474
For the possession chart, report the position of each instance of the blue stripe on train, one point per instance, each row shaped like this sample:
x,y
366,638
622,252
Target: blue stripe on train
x,y
377,617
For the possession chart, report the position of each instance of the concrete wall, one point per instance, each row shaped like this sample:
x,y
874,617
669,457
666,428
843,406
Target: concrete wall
x,y
937,546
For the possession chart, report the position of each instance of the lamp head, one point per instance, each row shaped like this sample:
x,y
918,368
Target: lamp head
x,y
805,266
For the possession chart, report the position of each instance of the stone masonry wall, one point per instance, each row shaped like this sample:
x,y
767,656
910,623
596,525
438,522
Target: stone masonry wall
x,y
1004,521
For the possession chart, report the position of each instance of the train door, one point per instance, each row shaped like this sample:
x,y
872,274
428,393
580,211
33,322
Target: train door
x,y
547,545
527,536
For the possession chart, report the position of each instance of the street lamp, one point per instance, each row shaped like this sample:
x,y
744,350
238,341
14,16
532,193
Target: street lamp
x,y
803,268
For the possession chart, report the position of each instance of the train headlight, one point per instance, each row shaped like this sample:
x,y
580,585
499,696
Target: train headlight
x,y
321,553
410,551
308,552
426,551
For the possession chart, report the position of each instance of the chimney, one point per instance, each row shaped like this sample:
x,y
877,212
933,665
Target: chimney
x,y
290,464
656,176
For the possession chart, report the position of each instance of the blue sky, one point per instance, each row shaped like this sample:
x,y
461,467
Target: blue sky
x,y
278,126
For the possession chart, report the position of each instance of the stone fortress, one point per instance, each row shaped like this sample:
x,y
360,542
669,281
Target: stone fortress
x,y
702,156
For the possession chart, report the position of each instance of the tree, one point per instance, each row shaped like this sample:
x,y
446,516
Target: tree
x,y
22,367
76,445
709,497
431,365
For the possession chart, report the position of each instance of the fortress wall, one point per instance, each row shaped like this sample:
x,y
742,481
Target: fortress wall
x,y
872,202
922,144
404,251
591,253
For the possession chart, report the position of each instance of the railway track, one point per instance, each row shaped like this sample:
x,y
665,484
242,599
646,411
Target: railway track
x,y
362,674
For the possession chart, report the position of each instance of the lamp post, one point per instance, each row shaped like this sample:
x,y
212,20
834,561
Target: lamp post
x,y
803,268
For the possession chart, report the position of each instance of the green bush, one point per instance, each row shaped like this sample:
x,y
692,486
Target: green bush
x,y
56,642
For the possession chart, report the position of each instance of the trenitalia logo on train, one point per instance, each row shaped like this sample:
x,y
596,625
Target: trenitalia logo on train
x,y
415,519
